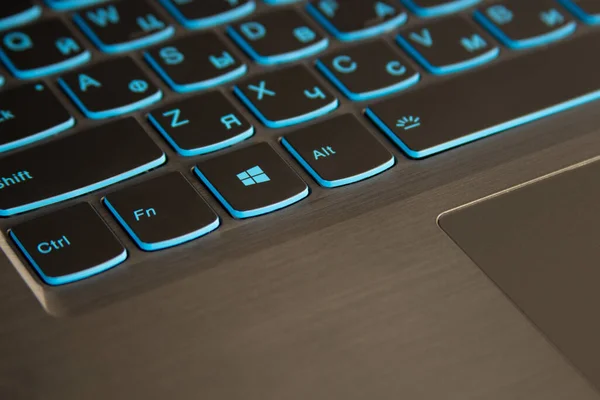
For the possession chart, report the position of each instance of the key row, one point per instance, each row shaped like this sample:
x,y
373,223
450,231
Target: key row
x,y
67,168
352,19
290,96
281,36
74,243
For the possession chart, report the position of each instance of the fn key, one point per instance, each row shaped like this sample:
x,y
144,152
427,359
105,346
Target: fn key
x,y
162,212
68,245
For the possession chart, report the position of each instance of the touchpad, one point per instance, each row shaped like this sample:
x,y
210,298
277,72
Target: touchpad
x,y
540,243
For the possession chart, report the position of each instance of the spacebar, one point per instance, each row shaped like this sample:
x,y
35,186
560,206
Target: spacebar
x,y
489,100
75,165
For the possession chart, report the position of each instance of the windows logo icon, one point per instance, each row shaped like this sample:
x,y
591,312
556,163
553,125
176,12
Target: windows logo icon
x,y
253,176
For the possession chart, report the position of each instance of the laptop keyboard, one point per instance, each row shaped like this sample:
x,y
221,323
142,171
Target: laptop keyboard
x,y
97,92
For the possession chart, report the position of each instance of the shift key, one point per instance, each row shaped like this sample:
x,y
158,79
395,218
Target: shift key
x,y
75,165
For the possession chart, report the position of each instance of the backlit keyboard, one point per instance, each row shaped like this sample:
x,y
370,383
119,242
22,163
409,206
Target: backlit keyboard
x,y
232,98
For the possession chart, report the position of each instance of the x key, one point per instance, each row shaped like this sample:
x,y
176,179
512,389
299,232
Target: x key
x,y
286,97
261,90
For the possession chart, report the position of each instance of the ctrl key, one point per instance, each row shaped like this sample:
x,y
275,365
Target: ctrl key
x,y
68,245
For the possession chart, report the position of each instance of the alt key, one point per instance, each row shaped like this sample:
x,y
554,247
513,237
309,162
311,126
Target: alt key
x,y
338,151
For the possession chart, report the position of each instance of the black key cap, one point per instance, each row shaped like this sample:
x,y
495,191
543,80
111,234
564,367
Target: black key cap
x,y
69,4
338,151
196,62
14,13
586,10
30,113
279,2
493,99
286,97
75,165
44,48
68,245
252,181
357,19
110,88
201,124
368,70
123,25
162,212
434,8
278,37
449,45
200,14
518,24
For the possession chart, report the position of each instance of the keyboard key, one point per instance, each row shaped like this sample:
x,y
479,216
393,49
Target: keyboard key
x,y
278,37
155,221
196,62
201,14
14,13
44,48
252,181
368,70
70,4
586,10
123,25
75,165
279,2
286,97
68,245
434,8
520,25
30,113
449,45
357,19
338,151
110,88
492,99
201,124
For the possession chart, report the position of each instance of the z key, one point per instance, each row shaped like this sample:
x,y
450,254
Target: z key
x,y
201,124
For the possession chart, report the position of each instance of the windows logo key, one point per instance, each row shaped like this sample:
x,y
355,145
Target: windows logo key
x,y
253,176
